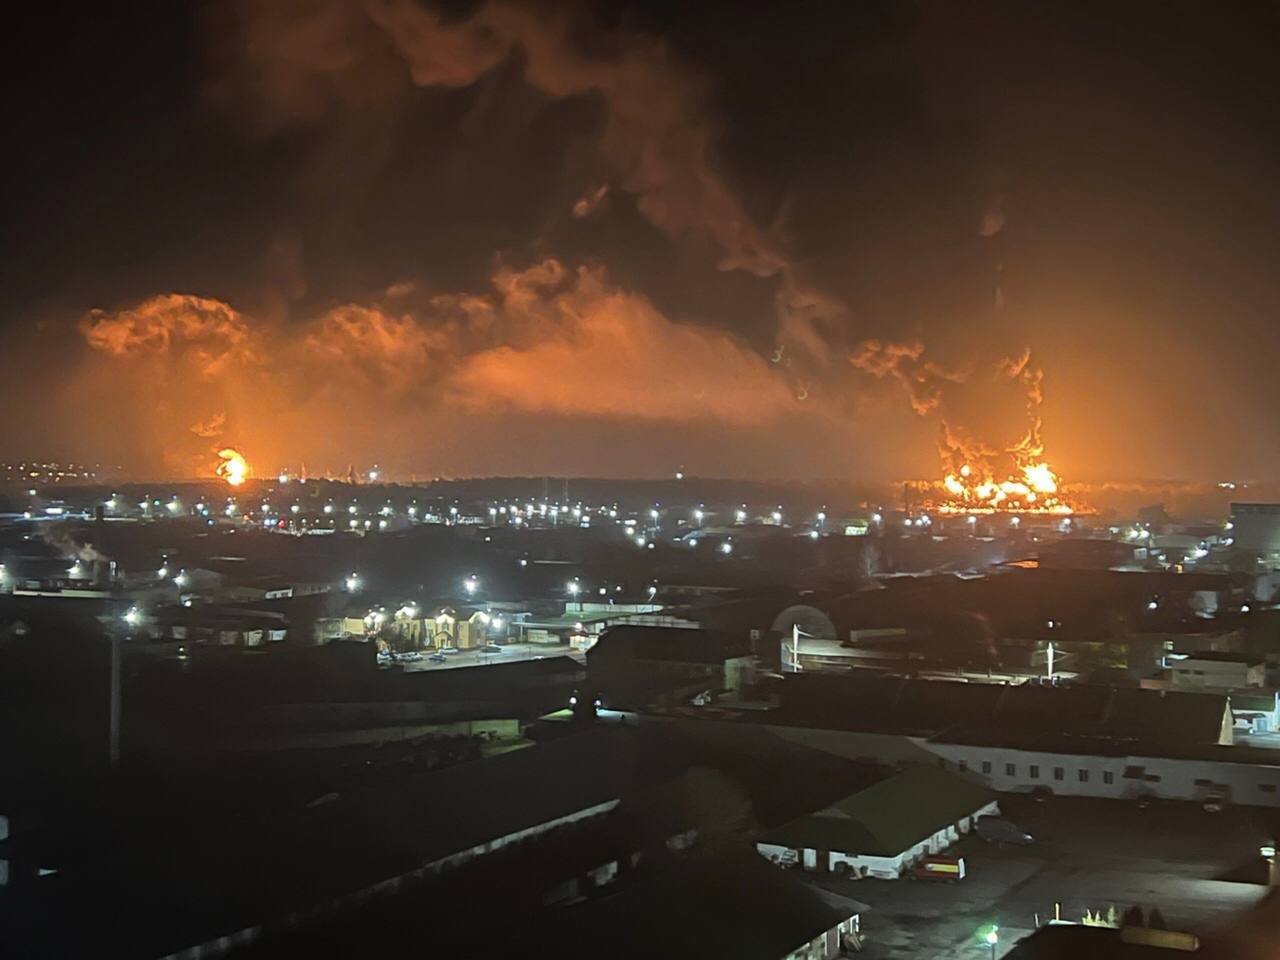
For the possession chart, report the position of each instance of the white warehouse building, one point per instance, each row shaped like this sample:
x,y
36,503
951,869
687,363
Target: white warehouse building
x,y
882,830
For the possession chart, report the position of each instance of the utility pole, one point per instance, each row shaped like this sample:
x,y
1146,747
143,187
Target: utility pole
x,y
113,724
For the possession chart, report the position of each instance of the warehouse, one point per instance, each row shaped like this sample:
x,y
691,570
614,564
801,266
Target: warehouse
x,y
880,831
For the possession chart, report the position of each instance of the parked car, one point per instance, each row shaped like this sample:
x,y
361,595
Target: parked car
x,y
949,869
437,658
1001,831
409,657
492,648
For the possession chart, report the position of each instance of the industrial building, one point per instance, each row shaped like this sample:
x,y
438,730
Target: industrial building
x,y
636,665
880,831
1255,529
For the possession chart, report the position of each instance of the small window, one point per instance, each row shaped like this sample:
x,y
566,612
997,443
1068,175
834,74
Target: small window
x,y
986,766
1108,776
1082,776
1058,773
1203,782
1133,772
1267,787
1152,778
1010,769
1035,771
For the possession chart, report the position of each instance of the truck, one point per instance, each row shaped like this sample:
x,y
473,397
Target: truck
x,y
999,830
949,869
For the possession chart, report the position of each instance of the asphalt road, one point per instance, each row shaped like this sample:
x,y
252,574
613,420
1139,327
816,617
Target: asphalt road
x,y
1199,868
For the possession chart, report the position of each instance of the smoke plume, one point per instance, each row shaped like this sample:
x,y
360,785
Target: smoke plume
x,y
535,342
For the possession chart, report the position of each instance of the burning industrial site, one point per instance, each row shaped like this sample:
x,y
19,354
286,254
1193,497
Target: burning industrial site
x,y
452,493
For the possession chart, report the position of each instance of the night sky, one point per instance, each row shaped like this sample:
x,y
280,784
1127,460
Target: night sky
x,y
616,239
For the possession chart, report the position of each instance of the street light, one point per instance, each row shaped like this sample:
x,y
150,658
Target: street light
x,y
573,586
471,585
993,939
353,583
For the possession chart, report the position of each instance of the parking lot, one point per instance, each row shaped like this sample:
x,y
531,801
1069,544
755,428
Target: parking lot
x,y
1199,868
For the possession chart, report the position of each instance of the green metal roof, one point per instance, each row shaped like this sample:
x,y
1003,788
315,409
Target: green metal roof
x,y
888,817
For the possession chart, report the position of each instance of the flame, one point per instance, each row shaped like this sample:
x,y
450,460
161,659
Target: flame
x,y
234,468
1033,487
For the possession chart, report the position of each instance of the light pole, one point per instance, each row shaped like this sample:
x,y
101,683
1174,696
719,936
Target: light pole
x,y
993,939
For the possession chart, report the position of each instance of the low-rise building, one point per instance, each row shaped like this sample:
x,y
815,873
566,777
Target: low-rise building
x,y
881,830
635,666
1218,671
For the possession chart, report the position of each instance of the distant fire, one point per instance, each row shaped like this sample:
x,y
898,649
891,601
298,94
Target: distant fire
x,y
1036,490
234,468
1017,480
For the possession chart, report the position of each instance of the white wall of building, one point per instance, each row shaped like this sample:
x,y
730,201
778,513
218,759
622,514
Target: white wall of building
x,y
1249,784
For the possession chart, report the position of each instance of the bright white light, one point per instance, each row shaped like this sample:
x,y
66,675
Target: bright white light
x,y
813,534
413,511
1153,604
821,516
181,579
876,518
471,585
266,508
693,541
740,516
653,514
352,509
353,524
132,616
573,586
698,515
382,524
726,548
283,478
1244,608
373,474
679,474
328,508
776,516
640,541
295,509
163,571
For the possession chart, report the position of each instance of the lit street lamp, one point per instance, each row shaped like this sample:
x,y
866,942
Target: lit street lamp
x,y
993,939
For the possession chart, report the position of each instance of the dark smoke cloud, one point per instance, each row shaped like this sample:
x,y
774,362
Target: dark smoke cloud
x,y
297,62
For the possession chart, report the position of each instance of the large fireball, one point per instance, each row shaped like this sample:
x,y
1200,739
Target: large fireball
x,y
234,468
